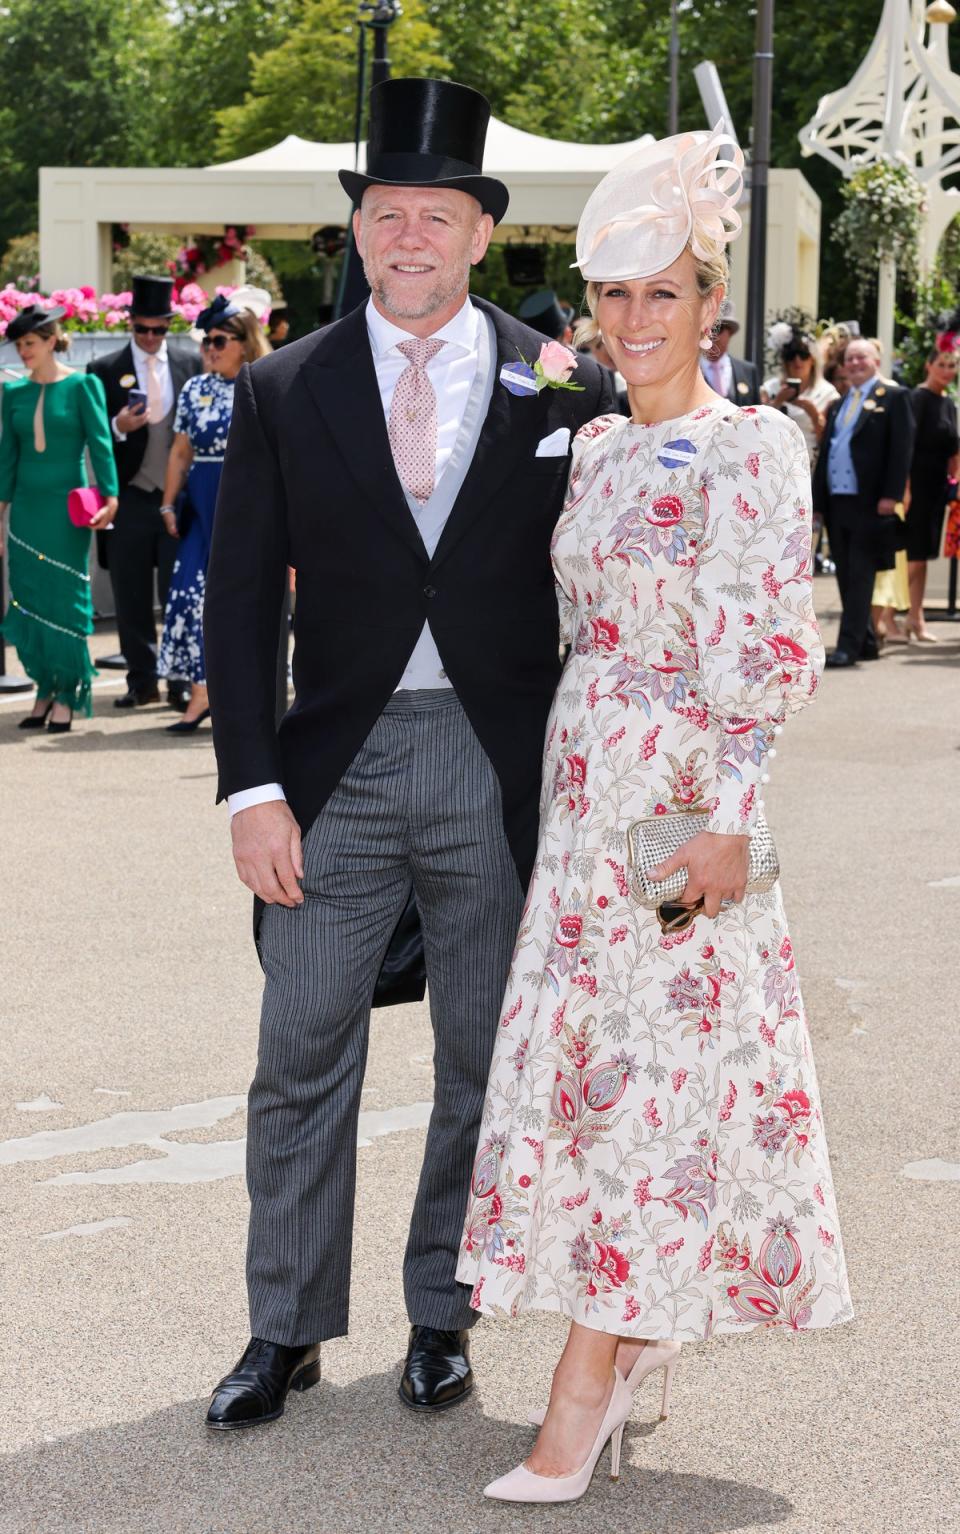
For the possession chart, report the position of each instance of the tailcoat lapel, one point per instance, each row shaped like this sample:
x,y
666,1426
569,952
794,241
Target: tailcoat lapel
x,y
513,426
343,386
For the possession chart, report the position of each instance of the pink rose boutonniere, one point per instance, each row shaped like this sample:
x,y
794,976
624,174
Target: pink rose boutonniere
x,y
551,370
554,365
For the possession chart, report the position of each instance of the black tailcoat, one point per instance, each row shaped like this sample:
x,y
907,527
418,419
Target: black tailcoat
x,y
309,480
881,448
745,388
119,364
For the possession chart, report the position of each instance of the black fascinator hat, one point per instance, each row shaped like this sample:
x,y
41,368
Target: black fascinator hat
x,y
428,133
32,320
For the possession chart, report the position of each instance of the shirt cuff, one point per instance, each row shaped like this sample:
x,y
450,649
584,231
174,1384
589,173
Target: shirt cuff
x,y
264,793
119,436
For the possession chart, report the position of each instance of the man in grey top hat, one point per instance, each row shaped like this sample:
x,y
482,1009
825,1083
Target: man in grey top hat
x,y
731,377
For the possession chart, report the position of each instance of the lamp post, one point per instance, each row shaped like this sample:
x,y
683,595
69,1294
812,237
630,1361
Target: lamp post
x,y
674,110
759,182
379,15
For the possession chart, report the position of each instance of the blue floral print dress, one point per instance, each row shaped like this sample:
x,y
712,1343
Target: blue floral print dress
x,y
203,413
653,1159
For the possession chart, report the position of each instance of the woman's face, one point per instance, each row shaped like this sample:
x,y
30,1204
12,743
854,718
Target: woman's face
x,y
226,360
33,349
799,367
942,371
652,326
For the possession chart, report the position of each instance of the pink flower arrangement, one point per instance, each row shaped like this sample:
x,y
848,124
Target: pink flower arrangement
x,y
87,312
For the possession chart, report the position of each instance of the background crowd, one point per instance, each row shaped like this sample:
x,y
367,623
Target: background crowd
x,y
153,417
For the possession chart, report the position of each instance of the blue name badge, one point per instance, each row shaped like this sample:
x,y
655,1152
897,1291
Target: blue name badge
x,y
518,377
677,454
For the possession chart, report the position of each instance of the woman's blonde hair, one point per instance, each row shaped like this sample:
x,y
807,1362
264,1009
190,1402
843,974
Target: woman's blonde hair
x,y
248,329
712,273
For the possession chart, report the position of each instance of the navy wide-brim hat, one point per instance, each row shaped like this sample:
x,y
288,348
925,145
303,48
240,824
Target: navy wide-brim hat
x,y
30,320
428,133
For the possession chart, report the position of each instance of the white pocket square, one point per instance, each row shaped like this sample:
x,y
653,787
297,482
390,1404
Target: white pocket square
x,y
557,445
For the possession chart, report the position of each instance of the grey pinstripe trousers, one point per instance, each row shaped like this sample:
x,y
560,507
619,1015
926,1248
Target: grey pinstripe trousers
x,y
420,804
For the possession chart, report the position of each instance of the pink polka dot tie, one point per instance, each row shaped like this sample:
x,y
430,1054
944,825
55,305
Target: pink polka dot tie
x,y
413,420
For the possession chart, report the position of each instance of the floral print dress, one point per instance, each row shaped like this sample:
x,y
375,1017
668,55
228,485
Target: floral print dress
x,y
203,413
652,1160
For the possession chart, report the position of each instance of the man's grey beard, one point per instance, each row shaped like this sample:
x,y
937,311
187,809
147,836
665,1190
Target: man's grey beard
x,y
446,289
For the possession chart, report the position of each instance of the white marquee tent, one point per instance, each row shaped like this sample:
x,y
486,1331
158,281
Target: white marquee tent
x,y
286,192
291,189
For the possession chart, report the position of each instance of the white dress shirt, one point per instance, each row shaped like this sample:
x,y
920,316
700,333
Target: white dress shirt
x,y
452,372
140,367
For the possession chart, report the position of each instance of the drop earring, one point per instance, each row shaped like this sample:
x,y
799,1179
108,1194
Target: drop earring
x,y
706,341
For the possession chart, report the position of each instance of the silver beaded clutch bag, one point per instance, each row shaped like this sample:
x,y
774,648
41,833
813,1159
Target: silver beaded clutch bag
x,y
658,837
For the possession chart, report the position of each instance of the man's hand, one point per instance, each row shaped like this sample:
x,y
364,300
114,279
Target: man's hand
x,y
131,420
717,869
267,852
887,508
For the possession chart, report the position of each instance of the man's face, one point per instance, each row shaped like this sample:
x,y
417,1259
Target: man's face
x,y
721,341
149,334
860,363
418,245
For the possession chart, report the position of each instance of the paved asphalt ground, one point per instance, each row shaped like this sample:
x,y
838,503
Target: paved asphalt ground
x,y
128,1015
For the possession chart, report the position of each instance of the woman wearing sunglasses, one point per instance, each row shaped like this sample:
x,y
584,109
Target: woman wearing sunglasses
x,y
652,1164
232,335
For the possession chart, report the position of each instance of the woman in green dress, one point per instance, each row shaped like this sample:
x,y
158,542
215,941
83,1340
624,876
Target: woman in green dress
x,y
49,418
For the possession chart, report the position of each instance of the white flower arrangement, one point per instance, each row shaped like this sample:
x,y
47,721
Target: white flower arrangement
x,y
885,204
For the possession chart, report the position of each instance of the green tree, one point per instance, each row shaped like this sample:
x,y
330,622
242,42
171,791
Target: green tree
x,y
206,65
77,80
307,84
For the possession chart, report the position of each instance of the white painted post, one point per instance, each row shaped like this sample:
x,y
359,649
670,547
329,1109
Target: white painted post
x,y
886,297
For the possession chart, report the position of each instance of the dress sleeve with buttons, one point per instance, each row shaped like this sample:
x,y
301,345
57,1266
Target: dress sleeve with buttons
x,y
758,643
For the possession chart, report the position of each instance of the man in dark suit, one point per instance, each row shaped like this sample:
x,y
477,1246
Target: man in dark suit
x,y
139,543
405,463
859,481
732,378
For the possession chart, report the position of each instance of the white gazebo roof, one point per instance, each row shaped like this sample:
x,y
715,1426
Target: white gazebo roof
x,y
509,152
549,179
288,191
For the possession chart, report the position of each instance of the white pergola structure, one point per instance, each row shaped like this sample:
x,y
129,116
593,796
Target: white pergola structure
x,y
291,189
904,100
288,191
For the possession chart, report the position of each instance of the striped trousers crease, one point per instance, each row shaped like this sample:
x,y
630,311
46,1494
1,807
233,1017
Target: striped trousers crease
x,y
419,805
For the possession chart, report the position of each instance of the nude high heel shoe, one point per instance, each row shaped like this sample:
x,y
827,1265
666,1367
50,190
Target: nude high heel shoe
x,y
660,1353
522,1485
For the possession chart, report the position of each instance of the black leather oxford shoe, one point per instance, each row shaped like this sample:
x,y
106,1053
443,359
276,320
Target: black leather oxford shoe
x,y
839,660
255,1391
437,1373
134,699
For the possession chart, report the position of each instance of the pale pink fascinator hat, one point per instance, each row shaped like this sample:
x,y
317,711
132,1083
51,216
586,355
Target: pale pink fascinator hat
x,y
670,194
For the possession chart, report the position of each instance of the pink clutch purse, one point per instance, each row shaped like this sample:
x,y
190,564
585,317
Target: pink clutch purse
x,y
83,505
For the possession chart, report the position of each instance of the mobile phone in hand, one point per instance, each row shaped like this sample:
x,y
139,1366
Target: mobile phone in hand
x,y
136,400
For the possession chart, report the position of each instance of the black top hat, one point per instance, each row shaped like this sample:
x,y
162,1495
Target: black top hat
x,y
543,311
31,320
428,133
152,298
